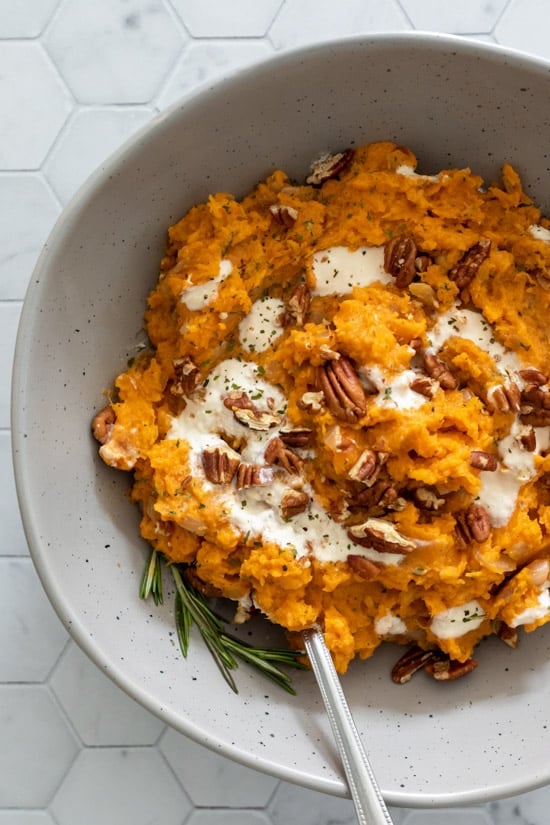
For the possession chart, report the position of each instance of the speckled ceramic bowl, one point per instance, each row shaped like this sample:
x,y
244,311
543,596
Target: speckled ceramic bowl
x,y
454,103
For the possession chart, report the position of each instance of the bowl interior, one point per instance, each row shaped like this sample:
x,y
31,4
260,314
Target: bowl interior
x,y
454,103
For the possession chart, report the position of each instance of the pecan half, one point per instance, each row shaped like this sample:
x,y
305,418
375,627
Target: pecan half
x,y
381,535
535,407
278,453
283,214
412,661
299,437
329,166
220,464
252,475
293,503
400,259
504,397
466,269
297,305
342,389
439,371
473,524
531,375
483,461
424,385
103,424
447,670
186,377
364,567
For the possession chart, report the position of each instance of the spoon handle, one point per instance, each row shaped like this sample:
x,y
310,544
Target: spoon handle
x,y
369,804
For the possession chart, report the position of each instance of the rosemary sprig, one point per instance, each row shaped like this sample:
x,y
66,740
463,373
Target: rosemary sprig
x,y
151,580
191,607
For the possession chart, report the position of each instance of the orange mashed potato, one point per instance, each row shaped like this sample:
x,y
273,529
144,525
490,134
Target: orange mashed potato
x,y
344,416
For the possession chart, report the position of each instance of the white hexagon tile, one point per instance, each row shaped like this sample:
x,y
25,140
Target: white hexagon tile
x,y
77,78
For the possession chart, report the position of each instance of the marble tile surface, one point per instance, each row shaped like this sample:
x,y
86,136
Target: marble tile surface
x,y
76,79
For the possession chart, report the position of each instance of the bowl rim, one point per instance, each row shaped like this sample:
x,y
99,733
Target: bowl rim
x,y
433,41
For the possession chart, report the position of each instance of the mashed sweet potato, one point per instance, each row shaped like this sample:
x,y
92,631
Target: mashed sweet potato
x,y
344,416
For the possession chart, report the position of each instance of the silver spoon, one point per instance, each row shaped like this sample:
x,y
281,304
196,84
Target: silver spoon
x,y
369,804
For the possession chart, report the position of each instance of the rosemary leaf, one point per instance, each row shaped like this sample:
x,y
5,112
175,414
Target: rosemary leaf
x,y
191,607
151,580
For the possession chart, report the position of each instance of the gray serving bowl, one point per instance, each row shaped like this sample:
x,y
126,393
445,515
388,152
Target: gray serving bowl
x,y
454,103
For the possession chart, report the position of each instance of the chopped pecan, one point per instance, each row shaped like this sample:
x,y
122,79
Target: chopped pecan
x,y
103,424
283,214
220,464
412,661
483,461
299,437
364,467
364,567
328,354
535,406
237,400
504,397
257,419
329,166
527,438
297,305
186,377
474,524
422,262
425,294
278,453
424,385
507,634
381,494
293,503
427,499
342,389
466,269
311,401
447,670
246,412
368,466
400,259
381,535
439,371
531,375
252,475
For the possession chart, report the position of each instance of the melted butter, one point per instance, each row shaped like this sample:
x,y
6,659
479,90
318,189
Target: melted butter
x,y
338,269
199,296
457,621
262,326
